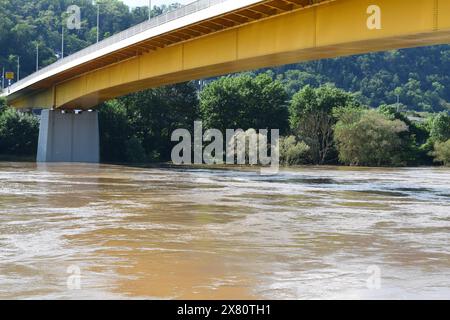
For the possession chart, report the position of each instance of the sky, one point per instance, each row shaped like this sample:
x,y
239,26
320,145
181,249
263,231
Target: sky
x,y
138,3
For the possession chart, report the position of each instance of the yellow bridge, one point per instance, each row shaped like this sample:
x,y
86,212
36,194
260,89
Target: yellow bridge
x,y
208,38
215,37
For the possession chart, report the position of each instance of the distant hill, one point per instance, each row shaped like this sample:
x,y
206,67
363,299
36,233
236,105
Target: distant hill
x,y
418,78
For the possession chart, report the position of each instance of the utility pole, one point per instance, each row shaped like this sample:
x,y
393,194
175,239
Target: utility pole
x,y
37,56
149,9
3,78
18,68
98,21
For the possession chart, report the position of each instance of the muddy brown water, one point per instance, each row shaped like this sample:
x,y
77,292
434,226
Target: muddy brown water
x,y
70,231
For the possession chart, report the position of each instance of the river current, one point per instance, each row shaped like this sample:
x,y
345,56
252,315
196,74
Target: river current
x,y
72,231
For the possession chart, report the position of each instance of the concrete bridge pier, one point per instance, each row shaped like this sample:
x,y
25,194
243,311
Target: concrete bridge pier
x,y
68,137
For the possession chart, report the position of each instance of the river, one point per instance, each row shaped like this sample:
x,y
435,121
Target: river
x,y
73,231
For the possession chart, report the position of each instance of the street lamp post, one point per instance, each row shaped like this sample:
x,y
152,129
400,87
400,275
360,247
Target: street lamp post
x,y
37,56
149,9
18,68
62,40
98,20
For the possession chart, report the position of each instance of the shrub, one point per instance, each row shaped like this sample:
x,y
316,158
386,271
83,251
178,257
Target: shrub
x,y
19,133
244,102
369,138
293,152
311,117
442,152
114,131
135,152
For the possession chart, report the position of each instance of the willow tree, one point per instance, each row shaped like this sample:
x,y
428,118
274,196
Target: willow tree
x,y
369,138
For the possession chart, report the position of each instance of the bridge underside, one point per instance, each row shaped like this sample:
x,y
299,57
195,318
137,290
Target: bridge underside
x,y
268,34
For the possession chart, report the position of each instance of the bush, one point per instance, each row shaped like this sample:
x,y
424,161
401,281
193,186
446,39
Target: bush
x,y
155,113
368,138
19,133
440,127
244,102
3,105
293,152
135,152
114,131
442,152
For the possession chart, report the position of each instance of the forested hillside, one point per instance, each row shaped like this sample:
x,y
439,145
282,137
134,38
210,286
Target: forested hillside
x,y
419,78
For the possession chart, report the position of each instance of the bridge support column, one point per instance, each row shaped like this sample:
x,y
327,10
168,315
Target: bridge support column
x,y
68,137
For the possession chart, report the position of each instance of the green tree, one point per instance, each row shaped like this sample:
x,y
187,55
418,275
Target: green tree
x,y
295,80
415,149
138,127
114,131
312,117
18,133
369,138
440,127
135,152
418,77
25,23
442,152
244,102
3,105
154,114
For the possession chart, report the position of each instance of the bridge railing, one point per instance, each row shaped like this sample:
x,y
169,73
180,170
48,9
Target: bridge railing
x,y
130,32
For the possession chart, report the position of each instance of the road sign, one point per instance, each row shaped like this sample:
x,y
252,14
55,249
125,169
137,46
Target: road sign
x,y
9,75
